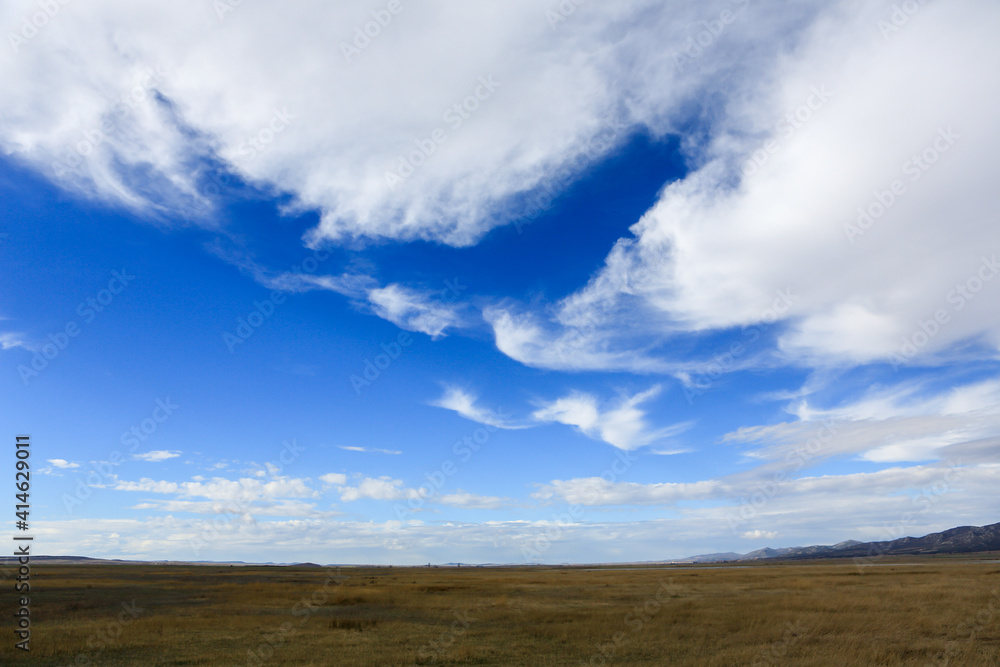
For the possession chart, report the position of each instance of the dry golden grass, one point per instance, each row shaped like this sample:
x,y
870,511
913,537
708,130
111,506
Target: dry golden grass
x,y
931,611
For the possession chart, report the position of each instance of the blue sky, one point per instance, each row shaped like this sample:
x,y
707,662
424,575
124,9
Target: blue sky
x,y
580,283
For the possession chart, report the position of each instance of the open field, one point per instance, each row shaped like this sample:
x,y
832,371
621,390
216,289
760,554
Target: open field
x,y
907,611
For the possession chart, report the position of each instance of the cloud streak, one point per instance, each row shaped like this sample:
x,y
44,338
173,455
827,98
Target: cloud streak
x,y
623,426
464,403
156,456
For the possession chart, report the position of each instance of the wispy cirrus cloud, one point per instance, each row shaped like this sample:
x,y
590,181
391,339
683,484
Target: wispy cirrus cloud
x,y
10,340
902,423
414,310
375,450
421,310
597,491
623,425
465,404
156,455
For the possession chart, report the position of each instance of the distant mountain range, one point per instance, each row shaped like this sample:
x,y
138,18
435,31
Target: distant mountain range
x,y
965,539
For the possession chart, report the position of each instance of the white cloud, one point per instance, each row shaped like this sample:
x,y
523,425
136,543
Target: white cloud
x,y
391,452
148,485
885,505
458,400
587,347
423,311
722,249
599,492
413,310
903,423
714,251
468,500
10,340
954,434
221,489
157,455
380,488
623,426
579,410
234,512
802,495
760,535
335,478
730,246
916,449
537,100
387,488
63,463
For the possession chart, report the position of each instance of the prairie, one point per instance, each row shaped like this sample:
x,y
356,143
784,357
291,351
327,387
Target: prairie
x,y
905,611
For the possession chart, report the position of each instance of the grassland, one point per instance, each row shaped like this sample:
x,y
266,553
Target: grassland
x,y
931,611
